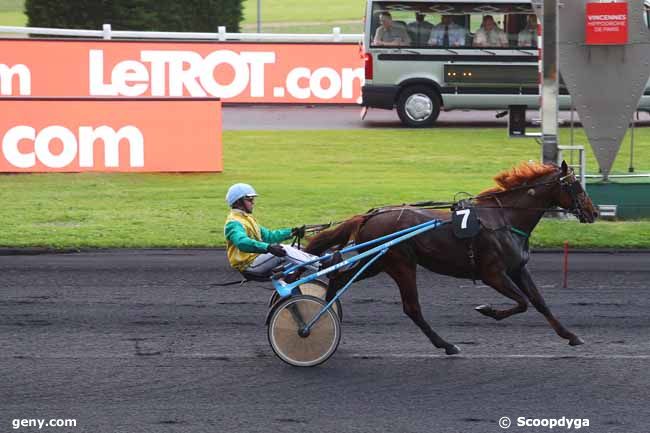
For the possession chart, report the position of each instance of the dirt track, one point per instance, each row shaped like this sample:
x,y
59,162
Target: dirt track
x,y
142,341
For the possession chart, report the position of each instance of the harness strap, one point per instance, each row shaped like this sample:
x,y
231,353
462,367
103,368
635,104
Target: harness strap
x,y
519,232
472,259
296,242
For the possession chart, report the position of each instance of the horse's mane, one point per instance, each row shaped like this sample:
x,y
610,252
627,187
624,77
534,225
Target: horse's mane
x,y
520,175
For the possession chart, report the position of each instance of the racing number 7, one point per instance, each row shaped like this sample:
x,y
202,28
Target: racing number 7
x,y
465,214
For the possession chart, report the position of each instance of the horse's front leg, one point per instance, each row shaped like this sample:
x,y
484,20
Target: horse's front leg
x,y
404,275
528,286
502,283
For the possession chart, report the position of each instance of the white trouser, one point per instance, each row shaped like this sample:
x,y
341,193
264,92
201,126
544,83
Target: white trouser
x,y
264,263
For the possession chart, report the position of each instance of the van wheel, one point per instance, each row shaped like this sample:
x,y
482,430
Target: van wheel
x,y
418,106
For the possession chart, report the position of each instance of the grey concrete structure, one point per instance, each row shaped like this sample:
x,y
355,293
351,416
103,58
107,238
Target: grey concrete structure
x,y
605,82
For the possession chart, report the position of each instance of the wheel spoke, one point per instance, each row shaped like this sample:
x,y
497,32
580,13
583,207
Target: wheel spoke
x,y
309,350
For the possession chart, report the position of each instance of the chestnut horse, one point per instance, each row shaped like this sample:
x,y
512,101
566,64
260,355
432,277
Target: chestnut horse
x,y
496,255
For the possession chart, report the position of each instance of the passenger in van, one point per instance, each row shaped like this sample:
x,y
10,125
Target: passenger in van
x,y
447,33
528,36
388,34
490,35
420,30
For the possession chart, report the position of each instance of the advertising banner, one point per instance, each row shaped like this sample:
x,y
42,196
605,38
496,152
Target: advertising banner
x,y
234,72
606,24
111,135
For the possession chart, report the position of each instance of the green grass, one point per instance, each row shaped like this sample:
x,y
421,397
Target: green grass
x,y
11,13
299,16
14,19
297,11
301,176
11,5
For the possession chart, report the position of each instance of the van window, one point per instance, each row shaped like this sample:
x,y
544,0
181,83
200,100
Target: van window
x,y
458,54
452,25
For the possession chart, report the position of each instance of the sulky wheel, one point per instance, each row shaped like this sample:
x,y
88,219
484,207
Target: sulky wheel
x,y
315,288
298,348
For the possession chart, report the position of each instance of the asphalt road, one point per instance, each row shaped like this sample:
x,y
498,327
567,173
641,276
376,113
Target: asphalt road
x,y
143,341
283,117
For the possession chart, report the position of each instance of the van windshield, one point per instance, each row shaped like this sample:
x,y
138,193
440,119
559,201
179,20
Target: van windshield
x,y
453,25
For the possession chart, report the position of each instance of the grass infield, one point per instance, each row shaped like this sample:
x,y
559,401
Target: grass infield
x,y
303,177
302,11
299,16
11,13
14,19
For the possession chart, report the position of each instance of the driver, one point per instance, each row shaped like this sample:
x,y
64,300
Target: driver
x,y
252,248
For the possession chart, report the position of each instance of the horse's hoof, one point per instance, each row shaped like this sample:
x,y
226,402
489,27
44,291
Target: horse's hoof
x,y
452,350
576,341
484,309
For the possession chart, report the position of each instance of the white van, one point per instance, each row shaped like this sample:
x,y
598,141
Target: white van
x,y
422,56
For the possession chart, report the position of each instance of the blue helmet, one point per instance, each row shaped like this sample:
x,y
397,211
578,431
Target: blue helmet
x,y
239,190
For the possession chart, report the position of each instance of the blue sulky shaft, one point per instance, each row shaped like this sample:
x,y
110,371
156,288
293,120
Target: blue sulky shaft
x,y
392,239
355,247
344,289
378,251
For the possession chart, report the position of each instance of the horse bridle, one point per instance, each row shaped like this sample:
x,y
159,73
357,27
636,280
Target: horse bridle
x,y
571,186
568,183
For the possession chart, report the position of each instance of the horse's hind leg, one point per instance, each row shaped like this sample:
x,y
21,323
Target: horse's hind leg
x,y
528,286
404,275
504,285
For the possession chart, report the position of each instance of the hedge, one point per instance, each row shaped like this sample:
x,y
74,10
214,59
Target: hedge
x,y
137,15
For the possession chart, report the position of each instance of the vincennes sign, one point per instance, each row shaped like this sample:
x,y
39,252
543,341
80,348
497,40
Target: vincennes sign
x,y
606,24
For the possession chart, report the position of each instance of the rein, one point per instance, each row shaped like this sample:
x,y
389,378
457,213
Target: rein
x,y
571,187
312,229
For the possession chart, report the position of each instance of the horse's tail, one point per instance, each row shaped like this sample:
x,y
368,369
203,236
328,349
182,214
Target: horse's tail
x,y
336,237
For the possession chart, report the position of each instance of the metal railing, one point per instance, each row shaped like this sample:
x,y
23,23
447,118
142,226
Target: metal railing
x,y
221,35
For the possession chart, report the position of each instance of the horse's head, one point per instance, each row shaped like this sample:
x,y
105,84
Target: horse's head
x,y
572,197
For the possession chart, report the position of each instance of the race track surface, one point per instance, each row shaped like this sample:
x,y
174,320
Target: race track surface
x,y
144,341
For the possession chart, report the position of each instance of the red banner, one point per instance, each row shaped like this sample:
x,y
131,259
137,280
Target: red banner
x,y
606,24
234,72
110,135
